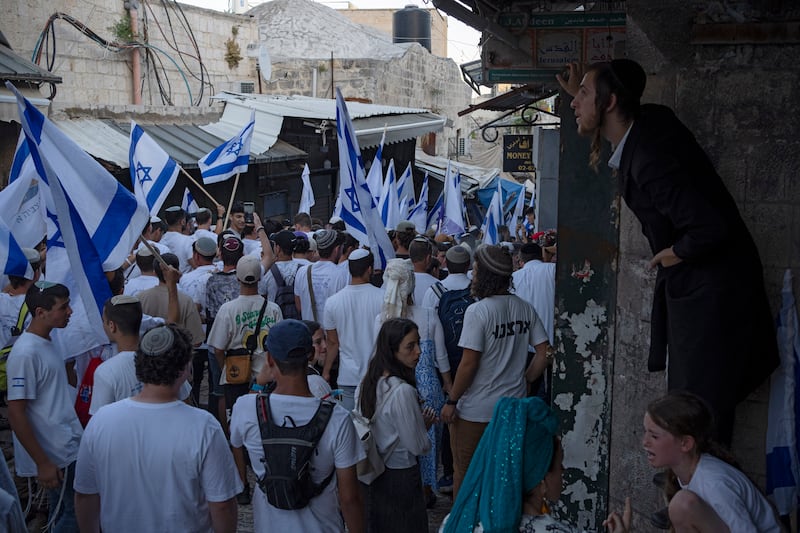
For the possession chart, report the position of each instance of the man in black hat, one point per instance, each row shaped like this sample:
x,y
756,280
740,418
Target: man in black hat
x,y
710,278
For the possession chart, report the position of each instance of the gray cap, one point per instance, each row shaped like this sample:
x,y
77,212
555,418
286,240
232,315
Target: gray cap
x,y
405,225
326,238
458,255
205,246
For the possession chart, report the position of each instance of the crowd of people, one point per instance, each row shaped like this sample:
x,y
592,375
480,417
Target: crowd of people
x,y
443,355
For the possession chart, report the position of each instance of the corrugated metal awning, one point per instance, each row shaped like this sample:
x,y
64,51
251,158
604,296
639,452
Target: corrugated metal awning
x,y
14,67
401,123
186,143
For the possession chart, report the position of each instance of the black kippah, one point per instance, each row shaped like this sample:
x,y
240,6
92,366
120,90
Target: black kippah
x,y
631,75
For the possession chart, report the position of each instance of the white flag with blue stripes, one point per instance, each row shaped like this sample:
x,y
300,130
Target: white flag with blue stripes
x,y
22,203
494,217
307,200
99,219
783,470
436,214
375,175
153,171
12,258
419,215
453,219
229,158
358,209
389,205
405,191
188,203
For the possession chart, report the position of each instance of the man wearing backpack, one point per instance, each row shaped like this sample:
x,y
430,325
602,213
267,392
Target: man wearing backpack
x,y
278,282
331,469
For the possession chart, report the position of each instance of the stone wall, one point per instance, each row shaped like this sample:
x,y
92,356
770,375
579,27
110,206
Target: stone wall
x,y
417,79
738,99
95,76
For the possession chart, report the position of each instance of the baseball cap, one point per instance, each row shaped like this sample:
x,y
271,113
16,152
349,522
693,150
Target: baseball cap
x,y
285,239
248,269
405,225
289,339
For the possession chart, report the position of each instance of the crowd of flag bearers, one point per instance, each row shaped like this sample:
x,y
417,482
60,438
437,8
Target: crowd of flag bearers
x,y
338,346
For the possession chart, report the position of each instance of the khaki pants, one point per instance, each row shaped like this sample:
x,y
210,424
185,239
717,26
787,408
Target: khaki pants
x,y
464,438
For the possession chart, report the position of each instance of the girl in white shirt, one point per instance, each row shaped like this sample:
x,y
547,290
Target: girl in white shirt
x,y
395,500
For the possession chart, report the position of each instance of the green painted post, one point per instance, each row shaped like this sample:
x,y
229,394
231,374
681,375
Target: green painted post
x,y
586,286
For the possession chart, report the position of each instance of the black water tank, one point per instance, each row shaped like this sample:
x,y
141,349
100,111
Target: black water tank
x,y
412,25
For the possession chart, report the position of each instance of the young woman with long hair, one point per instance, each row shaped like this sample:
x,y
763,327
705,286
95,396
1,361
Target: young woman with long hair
x,y
388,392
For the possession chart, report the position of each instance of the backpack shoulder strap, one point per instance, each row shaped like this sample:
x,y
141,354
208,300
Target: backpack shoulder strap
x,y
16,330
438,289
276,273
320,422
311,294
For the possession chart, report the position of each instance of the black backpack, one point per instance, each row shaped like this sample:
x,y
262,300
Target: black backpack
x,y
284,296
287,480
452,305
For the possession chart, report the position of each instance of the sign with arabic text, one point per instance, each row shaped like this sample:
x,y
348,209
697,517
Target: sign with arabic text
x,y
518,153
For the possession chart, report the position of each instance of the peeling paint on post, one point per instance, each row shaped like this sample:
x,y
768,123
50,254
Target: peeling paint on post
x,y
586,283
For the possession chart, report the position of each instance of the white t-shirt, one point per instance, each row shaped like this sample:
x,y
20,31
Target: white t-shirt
x,y
180,245
236,320
499,327
288,270
339,447
252,247
194,282
399,425
140,283
318,386
327,279
453,282
155,466
36,373
115,379
734,497
202,232
422,282
351,312
535,283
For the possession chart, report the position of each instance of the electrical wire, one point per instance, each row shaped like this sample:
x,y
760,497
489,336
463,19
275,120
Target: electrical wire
x,y
46,45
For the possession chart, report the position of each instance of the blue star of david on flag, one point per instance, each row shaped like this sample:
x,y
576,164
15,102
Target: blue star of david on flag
x,y
229,158
143,173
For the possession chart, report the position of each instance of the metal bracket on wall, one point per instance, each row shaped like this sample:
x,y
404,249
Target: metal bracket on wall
x,y
529,114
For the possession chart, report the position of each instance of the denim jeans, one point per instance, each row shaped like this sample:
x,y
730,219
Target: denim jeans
x,y
61,501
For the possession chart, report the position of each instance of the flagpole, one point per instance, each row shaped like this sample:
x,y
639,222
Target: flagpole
x,y
154,251
200,186
230,203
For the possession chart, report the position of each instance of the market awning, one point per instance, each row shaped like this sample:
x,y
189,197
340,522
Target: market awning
x,y
369,120
186,143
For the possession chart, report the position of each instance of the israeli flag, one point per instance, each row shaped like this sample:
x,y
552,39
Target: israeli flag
x,y
153,171
516,214
99,219
12,258
358,209
419,215
22,165
188,203
405,191
453,219
229,158
22,206
783,472
307,200
375,176
389,205
436,214
494,217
